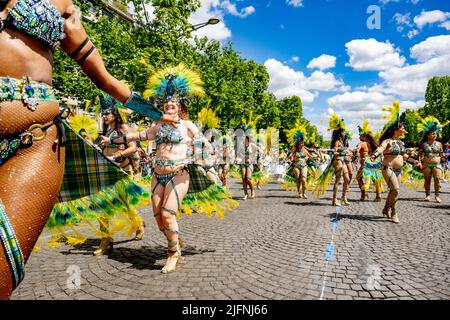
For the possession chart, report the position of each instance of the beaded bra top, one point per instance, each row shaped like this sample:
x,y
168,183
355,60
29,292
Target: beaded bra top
x,y
431,150
168,134
37,18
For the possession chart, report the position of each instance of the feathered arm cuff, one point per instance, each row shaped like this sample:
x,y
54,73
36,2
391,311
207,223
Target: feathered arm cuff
x,y
136,103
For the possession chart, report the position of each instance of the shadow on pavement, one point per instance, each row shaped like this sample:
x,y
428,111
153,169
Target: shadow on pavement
x,y
313,204
141,258
359,217
438,206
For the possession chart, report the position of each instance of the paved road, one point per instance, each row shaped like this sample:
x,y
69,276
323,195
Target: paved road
x,y
275,246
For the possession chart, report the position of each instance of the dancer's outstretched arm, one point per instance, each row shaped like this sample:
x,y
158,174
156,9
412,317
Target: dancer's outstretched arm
x,y
79,47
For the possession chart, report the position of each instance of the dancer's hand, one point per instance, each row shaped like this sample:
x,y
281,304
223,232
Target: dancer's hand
x,y
104,141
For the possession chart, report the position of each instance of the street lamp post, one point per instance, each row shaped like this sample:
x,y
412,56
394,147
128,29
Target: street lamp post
x,y
201,25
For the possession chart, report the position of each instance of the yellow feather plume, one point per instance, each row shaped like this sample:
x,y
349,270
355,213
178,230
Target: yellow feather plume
x,y
83,121
208,119
335,122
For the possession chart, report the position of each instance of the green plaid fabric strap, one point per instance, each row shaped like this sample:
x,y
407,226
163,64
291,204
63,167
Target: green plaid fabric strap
x,y
12,248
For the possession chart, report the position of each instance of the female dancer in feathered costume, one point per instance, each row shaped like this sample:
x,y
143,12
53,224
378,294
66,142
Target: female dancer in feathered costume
x,y
209,124
368,171
337,165
248,154
431,152
225,156
298,157
178,184
393,150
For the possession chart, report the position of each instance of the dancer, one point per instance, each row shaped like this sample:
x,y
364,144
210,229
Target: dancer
x,y
225,158
31,163
209,123
298,157
393,151
340,152
446,161
431,152
177,185
367,170
120,154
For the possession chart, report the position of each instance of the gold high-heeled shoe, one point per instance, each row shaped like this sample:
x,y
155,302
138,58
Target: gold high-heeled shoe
x,y
438,199
176,255
335,203
140,232
106,245
345,201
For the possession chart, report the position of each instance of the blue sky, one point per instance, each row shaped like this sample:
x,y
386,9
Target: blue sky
x,y
362,69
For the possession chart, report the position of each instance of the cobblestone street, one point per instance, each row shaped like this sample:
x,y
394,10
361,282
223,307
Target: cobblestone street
x,y
276,246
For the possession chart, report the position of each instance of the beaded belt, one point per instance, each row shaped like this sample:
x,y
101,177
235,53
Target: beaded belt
x,y
10,145
12,248
25,90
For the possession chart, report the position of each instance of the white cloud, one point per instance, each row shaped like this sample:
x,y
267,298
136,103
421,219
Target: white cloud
x,y
445,25
231,9
411,81
295,59
412,33
409,1
352,106
322,63
370,54
431,47
431,17
285,82
295,3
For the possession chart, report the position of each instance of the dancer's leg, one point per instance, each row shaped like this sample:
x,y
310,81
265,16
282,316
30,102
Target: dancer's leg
x,y
338,169
303,178
174,193
437,175
427,183
30,182
346,185
394,189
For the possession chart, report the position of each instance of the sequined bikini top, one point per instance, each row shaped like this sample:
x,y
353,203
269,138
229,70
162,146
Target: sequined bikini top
x,y
168,134
431,149
39,19
300,154
398,147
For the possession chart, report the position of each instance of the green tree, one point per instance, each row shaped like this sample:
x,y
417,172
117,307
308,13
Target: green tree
x,y
437,99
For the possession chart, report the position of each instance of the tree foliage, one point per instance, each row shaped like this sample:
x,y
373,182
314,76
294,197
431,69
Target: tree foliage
x,y
234,86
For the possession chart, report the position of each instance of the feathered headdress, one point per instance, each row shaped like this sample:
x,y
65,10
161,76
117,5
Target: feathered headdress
x,y
394,116
365,128
335,122
174,81
108,103
431,124
208,119
296,134
348,135
250,123
83,121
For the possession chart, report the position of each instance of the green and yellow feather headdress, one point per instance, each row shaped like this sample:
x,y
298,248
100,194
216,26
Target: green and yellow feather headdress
x,y
365,129
335,122
394,116
431,124
250,123
174,81
83,121
297,133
